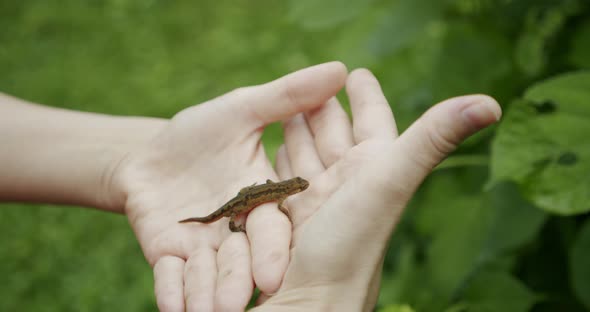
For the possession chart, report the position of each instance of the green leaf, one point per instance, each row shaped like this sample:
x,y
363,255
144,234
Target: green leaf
x,y
580,265
497,291
392,285
515,223
543,144
316,15
466,233
489,229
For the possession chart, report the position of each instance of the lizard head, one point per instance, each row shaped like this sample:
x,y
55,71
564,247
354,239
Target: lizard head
x,y
299,184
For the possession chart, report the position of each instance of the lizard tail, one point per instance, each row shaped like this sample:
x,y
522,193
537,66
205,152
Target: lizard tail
x,y
214,216
202,220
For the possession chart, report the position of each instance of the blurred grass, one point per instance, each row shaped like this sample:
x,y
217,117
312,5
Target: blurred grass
x,y
67,259
150,58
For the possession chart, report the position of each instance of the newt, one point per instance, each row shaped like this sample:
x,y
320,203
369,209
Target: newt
x,y
252,196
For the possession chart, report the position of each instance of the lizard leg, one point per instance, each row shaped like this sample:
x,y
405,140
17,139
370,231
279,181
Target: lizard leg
x,y
232,224
284,210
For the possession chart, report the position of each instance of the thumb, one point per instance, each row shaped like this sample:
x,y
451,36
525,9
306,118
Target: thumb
x,y
291,94
428,141
438,132
392,177
376,196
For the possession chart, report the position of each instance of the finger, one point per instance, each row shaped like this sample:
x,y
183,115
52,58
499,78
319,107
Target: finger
x,y
371,114
332,131
282,164
401,167
308,204
234,281
425,144
193,235
439,131
305,161
200,273
394,174
168,284
291,94
270,237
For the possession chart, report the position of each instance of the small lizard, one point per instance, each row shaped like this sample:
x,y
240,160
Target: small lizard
x,y
252,196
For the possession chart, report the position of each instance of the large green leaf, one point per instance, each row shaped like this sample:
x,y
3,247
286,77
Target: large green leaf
x,y
465,233
543,144
484,232
580,265
497,291
515,222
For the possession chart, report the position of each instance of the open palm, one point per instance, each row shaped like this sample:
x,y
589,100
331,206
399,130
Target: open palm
x,y
200,160
361,177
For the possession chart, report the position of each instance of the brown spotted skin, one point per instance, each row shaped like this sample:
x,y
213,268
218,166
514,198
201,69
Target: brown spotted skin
x,y
252,196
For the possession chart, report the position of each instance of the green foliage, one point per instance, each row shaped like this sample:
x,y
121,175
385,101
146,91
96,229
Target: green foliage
x,y
580,50
71,259
457,237
542,24
580,270
501,226
543,144
490,292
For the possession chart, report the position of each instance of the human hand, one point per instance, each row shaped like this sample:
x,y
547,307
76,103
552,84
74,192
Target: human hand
x,y
361,178
199,161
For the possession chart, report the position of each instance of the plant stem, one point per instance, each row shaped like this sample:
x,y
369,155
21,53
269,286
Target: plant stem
x,y
464,161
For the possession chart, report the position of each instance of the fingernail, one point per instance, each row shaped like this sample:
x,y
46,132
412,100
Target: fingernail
x,y
482,113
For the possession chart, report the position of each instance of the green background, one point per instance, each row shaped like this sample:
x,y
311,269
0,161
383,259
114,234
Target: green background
x,y
502,225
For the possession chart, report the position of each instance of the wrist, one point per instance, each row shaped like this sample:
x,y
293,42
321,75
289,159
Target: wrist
x,y
52,155
127,135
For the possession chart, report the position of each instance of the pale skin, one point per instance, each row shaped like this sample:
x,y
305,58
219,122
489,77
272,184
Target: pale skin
x,y
361,174
159,172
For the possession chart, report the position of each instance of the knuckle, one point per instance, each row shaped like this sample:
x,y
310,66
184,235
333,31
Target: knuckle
x,y
226,273
275,256
293,123
287,93
190,270
333,153
441,140
169,305
232,253
196,306
198,301
222,305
